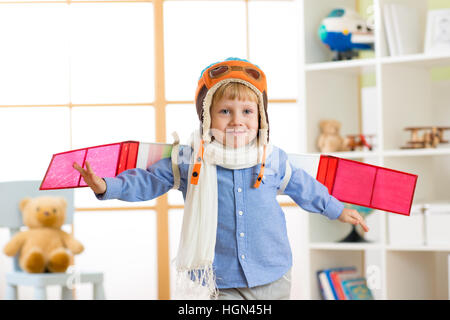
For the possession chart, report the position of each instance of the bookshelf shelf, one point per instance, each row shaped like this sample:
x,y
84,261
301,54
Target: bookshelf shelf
x,y
420,60
401,93
355,154
416,152
360,66
418,248
345,246
351,154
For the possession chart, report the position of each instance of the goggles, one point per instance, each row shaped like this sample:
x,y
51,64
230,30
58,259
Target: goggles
x,y
224,70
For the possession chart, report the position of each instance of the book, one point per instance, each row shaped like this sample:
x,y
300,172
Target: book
x,y
406,28
367,185
339,275
389,29
325,286
357,289
106,161
330,282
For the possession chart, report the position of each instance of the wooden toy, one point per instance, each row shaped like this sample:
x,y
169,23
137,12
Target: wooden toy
x,y
359,141
431,137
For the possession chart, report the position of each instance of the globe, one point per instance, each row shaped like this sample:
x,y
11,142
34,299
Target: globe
x,y
354,236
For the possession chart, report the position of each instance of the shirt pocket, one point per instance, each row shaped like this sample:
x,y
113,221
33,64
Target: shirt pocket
x,y
270,178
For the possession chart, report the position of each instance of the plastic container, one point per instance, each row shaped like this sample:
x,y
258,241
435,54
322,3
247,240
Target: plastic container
x,y
437,224
407,230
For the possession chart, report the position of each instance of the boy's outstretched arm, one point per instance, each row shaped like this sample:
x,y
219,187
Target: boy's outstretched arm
x,y
132,184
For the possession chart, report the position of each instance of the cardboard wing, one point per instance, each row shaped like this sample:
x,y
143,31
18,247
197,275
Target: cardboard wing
x,y
367,185
361,183
106,161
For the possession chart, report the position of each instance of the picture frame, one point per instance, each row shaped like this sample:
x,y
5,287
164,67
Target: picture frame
x,y
437,38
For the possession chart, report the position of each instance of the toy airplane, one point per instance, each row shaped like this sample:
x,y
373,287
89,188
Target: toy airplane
x,y
347,180
431,138
344,31
354,141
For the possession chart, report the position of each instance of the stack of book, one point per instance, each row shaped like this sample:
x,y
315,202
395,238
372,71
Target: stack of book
x,y
402,29
343,284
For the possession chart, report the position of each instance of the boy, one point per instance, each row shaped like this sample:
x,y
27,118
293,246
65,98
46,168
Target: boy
x,y
234,232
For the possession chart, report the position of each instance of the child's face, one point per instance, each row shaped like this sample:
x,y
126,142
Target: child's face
x,y
234,123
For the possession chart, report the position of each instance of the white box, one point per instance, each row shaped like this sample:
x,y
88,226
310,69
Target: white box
x,y
407,230
437,224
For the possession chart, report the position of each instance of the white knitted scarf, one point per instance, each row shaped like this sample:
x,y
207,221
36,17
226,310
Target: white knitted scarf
x,y
195,274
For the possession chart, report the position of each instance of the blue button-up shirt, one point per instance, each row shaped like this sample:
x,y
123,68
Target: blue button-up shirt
x,y
252,246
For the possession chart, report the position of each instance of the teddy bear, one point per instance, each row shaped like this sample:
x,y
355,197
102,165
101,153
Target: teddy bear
x,y
43,247
330,139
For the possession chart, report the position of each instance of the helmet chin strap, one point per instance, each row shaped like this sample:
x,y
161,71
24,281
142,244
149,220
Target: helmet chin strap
x,y
198,163
199,159
261,171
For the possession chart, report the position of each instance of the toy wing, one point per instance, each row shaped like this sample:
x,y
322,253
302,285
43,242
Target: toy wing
x,y
106,161
360,183
364,38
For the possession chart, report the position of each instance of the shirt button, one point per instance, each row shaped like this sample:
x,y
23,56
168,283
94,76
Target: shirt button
x,y
239,190
242,234
242,256
241,213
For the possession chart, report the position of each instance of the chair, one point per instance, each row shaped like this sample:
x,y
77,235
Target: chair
x,y
10,217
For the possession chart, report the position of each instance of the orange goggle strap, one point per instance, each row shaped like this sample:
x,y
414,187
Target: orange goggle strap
x,y
261,171
197,164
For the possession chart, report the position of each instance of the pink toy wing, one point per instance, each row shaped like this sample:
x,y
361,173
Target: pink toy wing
x,y
60,173
106,161
367,185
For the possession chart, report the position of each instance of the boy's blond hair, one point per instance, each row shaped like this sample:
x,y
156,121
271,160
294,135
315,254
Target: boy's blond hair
x,y
234,90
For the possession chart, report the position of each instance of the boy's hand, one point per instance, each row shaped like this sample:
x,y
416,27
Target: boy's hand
x,y
97,184
352,216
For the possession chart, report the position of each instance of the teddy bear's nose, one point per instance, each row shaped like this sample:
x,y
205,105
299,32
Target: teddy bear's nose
x,y
47,213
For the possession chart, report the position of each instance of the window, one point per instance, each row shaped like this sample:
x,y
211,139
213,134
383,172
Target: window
x,y
34,61
196,34
112,52
273,46
29,136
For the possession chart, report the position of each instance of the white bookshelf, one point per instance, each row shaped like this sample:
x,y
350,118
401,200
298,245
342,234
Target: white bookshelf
x,y
405,96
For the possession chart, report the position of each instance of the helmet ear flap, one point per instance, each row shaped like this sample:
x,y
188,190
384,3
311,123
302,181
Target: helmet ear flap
x,y
199,105
265,111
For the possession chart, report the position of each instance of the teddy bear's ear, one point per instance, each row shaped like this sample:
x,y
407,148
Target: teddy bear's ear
x,y
322,123
337,124
23,203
